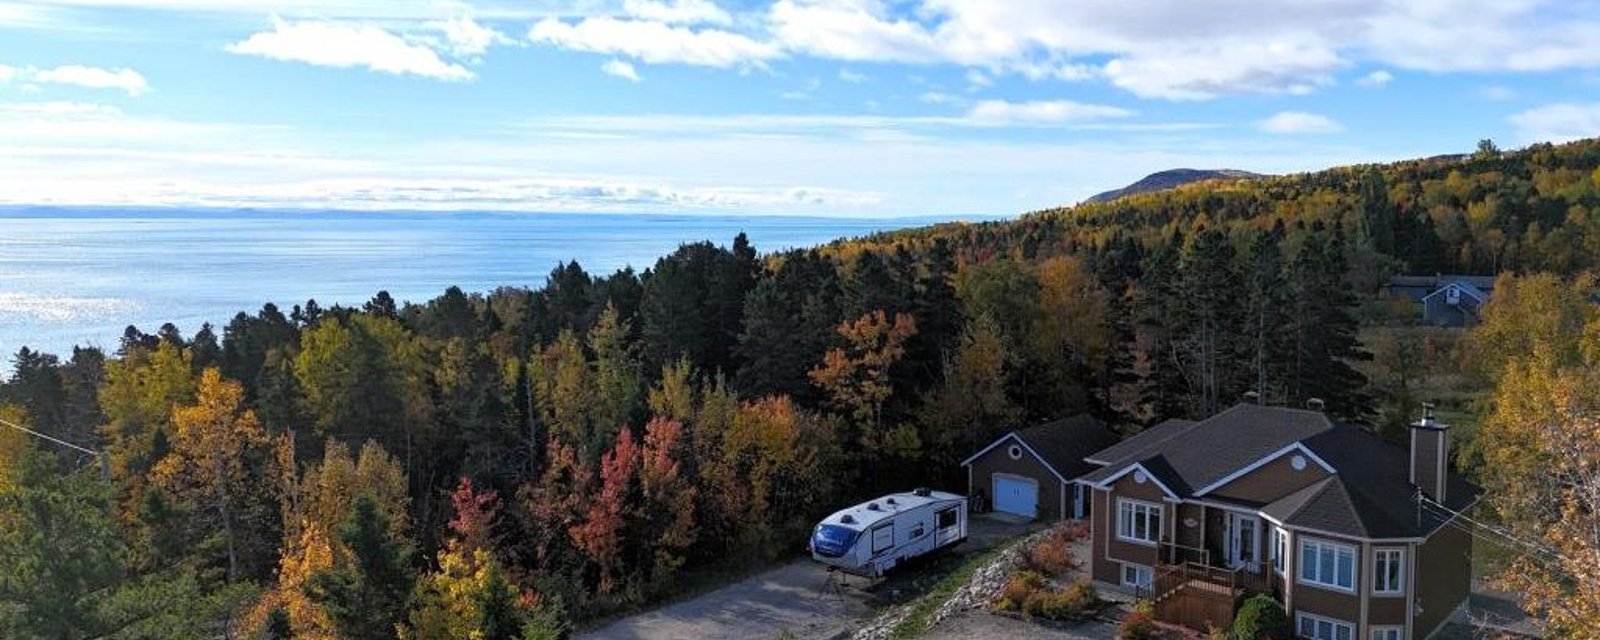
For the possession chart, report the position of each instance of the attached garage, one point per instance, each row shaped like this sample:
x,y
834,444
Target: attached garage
x,y
1029,472
1016,495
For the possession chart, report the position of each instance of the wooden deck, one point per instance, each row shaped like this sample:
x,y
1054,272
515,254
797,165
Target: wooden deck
x,y
1200,596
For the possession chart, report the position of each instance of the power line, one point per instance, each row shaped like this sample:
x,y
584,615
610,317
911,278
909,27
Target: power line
x,y
1450,515
59,441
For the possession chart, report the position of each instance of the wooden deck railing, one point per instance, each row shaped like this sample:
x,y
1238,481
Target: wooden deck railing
x,y
1198,595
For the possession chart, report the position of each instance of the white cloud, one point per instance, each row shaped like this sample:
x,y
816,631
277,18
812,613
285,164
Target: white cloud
x,y
1377,78
620,69
1558,122
58,109
1000,112
654,42
936,97
7,73
1205,72
469,38
1290,122
677,11
852,77
977,79
124,79
330,44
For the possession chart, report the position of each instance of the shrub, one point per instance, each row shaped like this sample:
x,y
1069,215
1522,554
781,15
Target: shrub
x,y
1019,590
1261,618
1051,558
1139,625
1074,602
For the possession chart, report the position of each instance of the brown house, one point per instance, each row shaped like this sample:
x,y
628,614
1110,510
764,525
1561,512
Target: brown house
x,y
1358,539
1030,472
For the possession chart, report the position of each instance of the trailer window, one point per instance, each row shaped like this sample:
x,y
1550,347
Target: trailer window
x,y
883,538
832,540
947,518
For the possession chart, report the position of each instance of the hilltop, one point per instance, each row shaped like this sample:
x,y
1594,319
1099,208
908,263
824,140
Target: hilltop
x,y
1170,178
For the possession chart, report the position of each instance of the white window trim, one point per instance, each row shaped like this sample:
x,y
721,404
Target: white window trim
x,y
1399,632
1316,618
1160,518
1400,589
1355,565
1141,569
1278,541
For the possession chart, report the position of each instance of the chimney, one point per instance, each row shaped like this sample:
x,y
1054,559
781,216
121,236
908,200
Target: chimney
x,y
1316,404
1430,454
1252,397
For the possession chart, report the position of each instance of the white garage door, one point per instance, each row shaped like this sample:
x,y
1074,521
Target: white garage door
x,y
1016,495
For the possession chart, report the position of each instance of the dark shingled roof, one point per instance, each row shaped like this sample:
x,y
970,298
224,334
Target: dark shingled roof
x,y
1064,443
1370,496
1147,438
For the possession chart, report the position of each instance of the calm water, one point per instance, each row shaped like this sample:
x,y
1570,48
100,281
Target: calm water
x,y
80,277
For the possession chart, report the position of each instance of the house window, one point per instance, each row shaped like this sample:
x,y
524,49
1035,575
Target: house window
x,y
1138,521
1137,576
1280,549
1328,564
1388,571
1387,633
1320,628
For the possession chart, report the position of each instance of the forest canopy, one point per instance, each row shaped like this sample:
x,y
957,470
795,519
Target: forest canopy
x,y
506,463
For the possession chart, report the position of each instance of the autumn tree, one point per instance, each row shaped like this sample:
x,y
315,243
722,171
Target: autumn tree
x,y
669,497
1540,443
856,376
971,405
607,524
221,463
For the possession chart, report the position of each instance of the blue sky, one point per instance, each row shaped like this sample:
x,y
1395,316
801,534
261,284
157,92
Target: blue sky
x,y
818,107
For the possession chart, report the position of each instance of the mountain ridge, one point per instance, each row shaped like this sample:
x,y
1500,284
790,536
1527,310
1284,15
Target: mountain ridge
x,y
1171,178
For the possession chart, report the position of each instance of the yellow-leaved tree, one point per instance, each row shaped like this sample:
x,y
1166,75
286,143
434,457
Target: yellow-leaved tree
x,y
220,466
1539,446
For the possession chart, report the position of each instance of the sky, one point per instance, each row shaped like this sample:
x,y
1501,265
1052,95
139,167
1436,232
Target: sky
x,y
814,107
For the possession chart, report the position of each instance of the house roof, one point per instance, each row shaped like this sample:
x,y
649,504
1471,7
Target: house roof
x,y
1466,288
1062,444
1483,283
1146,438
1369,495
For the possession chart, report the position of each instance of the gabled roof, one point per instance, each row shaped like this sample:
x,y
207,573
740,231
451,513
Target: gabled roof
x,y
1060,445
1369,494
1466,288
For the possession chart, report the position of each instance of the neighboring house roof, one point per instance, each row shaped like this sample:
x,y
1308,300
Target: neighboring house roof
x,y
1369,495
1466,288
1484,283
1061,445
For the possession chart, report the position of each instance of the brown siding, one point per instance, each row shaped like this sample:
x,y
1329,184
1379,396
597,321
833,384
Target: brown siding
x,y
1444,572
998,460
1272,481
1190,536
1326,602
1100,532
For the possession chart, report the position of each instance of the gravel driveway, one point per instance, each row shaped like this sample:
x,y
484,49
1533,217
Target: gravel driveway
x,y
793,600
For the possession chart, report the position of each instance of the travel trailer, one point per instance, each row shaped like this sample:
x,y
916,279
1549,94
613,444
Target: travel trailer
x,y
871,538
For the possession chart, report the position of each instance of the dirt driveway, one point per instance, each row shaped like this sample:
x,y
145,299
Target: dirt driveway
x,y
795,600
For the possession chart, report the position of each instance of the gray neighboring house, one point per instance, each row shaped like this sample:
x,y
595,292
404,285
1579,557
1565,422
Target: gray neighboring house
x,y
1031,472
1447,300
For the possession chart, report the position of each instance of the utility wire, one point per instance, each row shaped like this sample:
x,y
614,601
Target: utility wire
x,y
1450,515
59,441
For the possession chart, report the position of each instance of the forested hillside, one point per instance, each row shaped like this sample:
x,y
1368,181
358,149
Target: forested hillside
x,y
507,462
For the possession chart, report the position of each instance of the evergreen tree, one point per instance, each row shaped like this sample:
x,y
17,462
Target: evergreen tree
x,y
1377,215
1268,325
1325,331
366,596
1208,346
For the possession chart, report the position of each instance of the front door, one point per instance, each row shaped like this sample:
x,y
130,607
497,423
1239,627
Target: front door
x,y
1243,541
